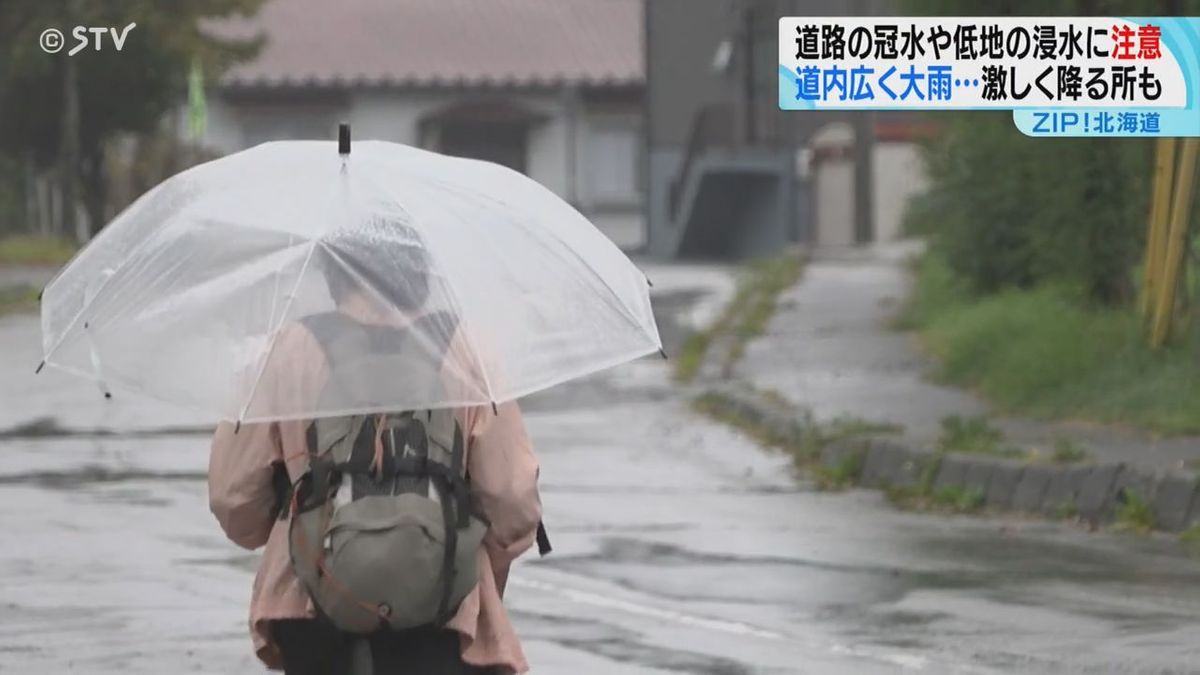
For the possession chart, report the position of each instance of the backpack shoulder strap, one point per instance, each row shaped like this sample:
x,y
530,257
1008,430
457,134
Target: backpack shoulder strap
x,y
340,339
329,329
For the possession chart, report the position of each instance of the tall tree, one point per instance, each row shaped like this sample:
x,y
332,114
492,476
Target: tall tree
x,y
62,109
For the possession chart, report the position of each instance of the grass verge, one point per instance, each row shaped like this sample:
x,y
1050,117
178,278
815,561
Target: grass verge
x,y
35,250
976,436
1046,352
18,299
1190,538
744,318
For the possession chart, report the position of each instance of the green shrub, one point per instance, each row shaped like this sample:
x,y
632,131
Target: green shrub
x,y
1049,352
35,250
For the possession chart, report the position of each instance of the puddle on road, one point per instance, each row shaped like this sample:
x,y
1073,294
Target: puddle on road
x,y
621,645
636,551
50,428
1054,554
247,562
131,496
1118,589
91,474
669,490
642,654
680,574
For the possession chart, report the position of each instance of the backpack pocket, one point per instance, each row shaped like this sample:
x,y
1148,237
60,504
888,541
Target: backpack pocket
x,y
385,559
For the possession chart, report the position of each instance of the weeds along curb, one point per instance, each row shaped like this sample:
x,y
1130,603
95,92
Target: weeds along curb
x,y
711,354
1125,496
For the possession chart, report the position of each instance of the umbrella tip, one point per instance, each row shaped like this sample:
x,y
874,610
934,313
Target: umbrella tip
x,y
39,368
108,395
649,282
237,427
495,409
344,139
662,352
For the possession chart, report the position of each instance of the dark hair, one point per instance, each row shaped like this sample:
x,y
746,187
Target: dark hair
x,y
394,266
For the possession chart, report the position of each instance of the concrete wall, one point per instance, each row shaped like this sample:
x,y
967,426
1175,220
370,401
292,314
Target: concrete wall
x,y
661,166
763,225
682,37
681,40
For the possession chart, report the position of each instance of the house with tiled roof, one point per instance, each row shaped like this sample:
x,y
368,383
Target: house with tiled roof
x,y
549,88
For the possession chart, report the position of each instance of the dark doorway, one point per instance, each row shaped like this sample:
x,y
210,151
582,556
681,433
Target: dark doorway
x,y
492,129
502,142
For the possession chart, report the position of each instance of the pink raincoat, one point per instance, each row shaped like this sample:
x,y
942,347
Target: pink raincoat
x,y
503,473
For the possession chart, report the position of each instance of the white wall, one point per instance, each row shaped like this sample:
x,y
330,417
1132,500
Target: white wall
x,y
899,174
223,132
627,229
390,115
833,186
550,142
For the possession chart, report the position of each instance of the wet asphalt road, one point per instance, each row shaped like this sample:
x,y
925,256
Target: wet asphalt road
x,y
680,548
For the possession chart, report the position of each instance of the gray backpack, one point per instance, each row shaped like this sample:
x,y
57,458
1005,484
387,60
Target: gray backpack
x,y
383,534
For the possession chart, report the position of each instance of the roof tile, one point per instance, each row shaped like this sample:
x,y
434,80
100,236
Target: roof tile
x,y
441,42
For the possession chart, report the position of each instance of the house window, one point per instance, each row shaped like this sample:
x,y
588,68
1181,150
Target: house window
x,y
613,164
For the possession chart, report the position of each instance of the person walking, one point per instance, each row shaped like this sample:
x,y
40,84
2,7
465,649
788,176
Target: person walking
x,y
360,328
254,471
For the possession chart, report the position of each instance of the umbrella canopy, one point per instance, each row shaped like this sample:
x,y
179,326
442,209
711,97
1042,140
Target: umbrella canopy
x,y
184,295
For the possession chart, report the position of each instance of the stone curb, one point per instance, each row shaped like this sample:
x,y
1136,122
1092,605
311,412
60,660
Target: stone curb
x,y
1090,491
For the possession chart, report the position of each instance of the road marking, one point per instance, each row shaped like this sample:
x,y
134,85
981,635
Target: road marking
x,y
629,607
903,661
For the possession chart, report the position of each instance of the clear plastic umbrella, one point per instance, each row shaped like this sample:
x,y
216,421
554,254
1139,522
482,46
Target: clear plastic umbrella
x,y
184,295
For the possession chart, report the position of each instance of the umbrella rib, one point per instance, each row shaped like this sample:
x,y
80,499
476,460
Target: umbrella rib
x,y
287,307
137,248
467,336
612,298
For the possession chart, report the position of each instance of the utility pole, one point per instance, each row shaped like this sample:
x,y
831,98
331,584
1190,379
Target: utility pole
x,y
68,146
863,122
751,109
